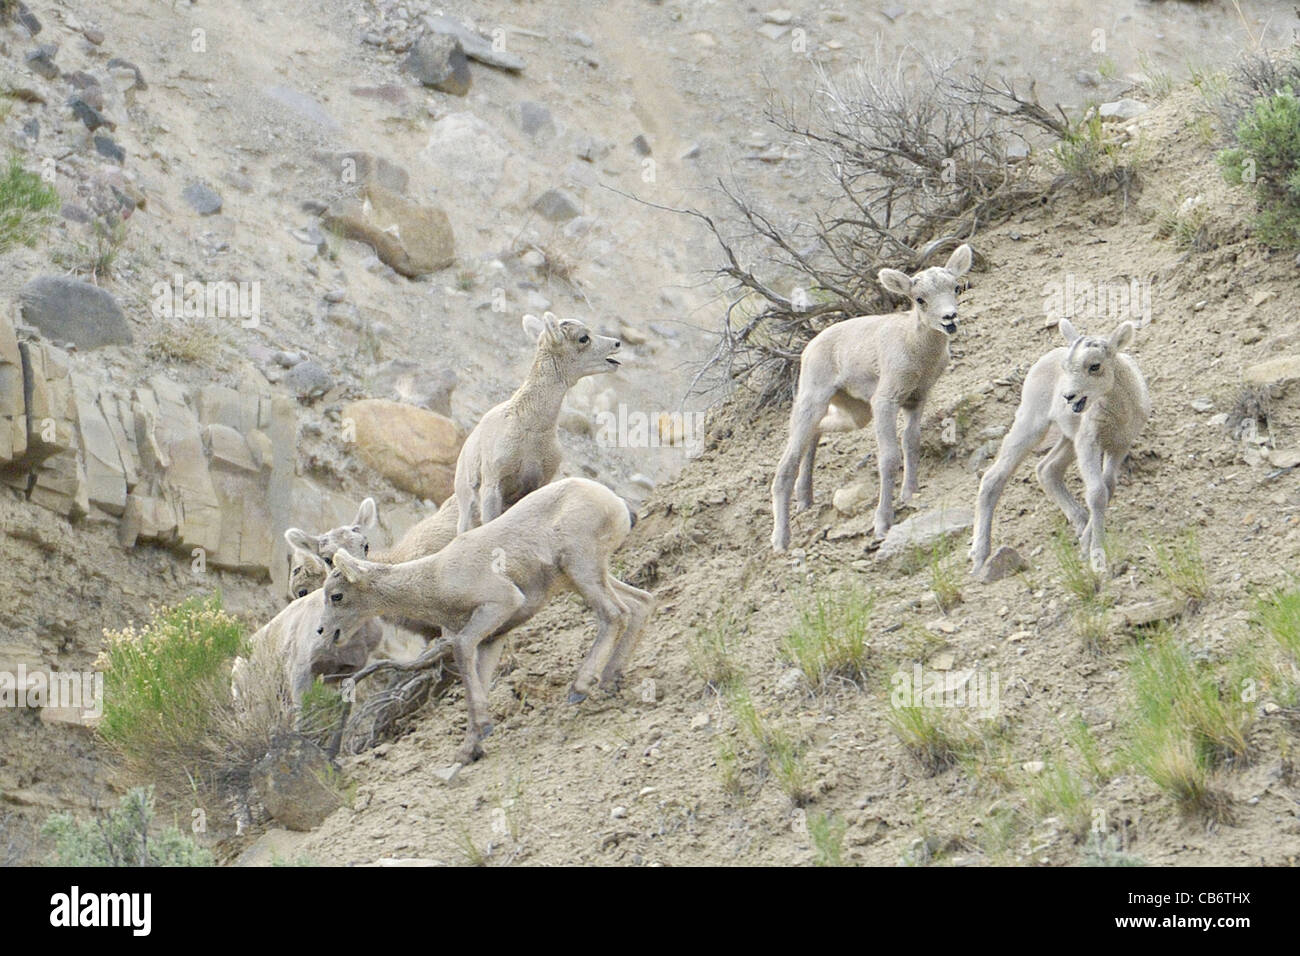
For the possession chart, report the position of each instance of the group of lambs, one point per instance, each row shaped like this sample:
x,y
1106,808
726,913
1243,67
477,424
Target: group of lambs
x,y
510,537
877,365
483,564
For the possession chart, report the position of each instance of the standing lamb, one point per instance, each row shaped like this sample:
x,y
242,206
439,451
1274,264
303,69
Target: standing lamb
x,y
1096,396
515,448
871,366
493,578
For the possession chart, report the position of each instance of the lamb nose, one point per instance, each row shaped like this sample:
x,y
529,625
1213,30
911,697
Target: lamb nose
x,y
950,316
321,629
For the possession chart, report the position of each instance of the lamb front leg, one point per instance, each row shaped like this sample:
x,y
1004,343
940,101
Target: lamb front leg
x,y
1093,539
886,414
911,452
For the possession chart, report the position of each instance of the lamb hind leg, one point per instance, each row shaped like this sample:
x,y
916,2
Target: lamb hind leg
x,y
808,411
640,605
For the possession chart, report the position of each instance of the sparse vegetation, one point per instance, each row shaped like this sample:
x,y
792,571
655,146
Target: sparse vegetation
x,y
122,837
163,681
712,655
186,340
1182,726
829,640
1267,159
95,256
781,752
1105,849
26,205
1098,158
1060,792
826,831
933,735
1182,567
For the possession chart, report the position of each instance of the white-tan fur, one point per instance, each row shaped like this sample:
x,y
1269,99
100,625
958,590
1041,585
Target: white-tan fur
x,y
1115,406
515,448
493,578
868,367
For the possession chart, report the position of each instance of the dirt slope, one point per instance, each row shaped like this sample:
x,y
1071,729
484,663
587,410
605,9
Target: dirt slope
x,y
633,781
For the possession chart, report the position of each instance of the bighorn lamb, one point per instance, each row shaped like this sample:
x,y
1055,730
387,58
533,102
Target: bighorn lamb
x,y
1096,396
291,640
493,578
871,366
306,576
515,448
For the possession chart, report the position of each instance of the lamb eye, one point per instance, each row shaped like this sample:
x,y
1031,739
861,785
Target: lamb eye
x,y
302,592
336,598
1094,368
920,301
365,548
585,339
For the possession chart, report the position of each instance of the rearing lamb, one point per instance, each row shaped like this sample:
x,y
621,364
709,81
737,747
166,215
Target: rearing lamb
x,y
514,449
493,578
871,366
1096,396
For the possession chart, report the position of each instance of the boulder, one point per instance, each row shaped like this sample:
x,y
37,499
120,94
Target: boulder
x,y
105,474
411,238
556,205
293,780
69,310
924,530
1281,370
413,448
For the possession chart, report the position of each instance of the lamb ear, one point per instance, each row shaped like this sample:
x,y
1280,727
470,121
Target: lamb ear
x,y
367,515
314,561
1122,336
895,281
960,261
300,540
1068,330
533,326
552,324
350,567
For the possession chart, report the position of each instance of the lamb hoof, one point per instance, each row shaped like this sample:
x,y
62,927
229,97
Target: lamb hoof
x,y
576,697
780,542
469,753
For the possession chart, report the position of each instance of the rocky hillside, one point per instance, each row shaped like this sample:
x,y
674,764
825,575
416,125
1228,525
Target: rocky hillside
x,y
290,236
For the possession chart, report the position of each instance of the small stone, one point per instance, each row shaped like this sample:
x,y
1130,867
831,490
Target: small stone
x,y
202,199
1122,110
641,145
439,62
93,37
1003,562
105,146
1202,405
773,31
790,681
618,813
41,60
1262,296
534,119
1087,78
447,774
1034,767
700,721
779,16
92,118
308,380
556,205
893,11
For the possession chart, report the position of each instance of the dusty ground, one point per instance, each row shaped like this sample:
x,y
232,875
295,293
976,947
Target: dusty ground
x,y
687,74
555,774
